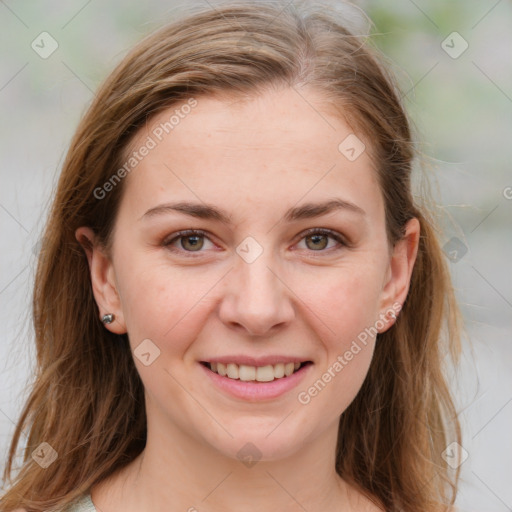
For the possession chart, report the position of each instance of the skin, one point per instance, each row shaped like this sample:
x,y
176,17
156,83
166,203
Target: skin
x,y
301,296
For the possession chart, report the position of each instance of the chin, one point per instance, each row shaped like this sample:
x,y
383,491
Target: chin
x,y
253,445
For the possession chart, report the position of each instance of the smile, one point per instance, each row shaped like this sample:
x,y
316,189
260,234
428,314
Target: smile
x,y
261,383
248,373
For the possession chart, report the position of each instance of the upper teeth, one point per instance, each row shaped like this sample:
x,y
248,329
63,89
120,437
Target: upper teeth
x,y
259,373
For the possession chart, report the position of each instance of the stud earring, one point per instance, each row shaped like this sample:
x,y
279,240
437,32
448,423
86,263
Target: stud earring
x,y
391,314
108,318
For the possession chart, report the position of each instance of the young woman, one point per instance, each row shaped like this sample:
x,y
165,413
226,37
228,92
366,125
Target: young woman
x,y
238,303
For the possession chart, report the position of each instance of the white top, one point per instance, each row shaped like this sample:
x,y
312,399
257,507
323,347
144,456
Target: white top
x,y
84,504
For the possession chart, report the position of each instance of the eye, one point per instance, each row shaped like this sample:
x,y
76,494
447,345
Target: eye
x,y
316,239
192,240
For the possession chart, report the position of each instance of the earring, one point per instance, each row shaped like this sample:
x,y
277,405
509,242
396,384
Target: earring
x,y
391,314
108,318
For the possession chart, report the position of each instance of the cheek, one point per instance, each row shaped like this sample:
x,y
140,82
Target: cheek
x,y
345,299
345,306
163,304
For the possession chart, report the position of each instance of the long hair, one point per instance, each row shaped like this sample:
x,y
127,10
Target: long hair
x,y
87,399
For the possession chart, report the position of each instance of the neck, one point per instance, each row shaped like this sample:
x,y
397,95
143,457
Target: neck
x,y
188,475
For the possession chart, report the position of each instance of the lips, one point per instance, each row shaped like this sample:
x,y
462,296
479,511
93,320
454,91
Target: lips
x,y
254,390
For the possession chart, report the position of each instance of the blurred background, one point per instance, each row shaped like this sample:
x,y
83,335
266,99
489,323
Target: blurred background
x,y
453,61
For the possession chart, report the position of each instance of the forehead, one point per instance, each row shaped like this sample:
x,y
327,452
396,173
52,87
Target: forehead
x,y
276,119
281,145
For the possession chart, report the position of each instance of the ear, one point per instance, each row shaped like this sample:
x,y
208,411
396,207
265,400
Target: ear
x,y
398,278
102,279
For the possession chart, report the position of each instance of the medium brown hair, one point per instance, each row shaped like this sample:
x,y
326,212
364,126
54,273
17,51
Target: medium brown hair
x,y
87,400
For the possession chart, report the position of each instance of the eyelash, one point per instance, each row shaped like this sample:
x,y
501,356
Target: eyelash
x,y
198,232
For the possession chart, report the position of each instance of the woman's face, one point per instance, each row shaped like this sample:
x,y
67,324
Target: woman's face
x,y
253,177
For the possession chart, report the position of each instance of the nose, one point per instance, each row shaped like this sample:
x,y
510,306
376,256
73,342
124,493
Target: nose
x,y
256,297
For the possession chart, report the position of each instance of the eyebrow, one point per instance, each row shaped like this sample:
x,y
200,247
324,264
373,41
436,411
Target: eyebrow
x,y
211,212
